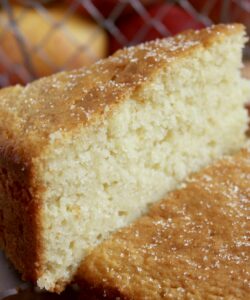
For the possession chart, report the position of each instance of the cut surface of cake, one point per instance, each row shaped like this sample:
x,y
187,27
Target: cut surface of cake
x,y
192,245
85,152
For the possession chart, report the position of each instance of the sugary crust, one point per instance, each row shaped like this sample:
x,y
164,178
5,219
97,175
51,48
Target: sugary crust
x,y
192,245
67,100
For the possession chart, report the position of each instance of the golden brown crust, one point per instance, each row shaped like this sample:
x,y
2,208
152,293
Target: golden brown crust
x,y
192,245
19,204
19,216
67,100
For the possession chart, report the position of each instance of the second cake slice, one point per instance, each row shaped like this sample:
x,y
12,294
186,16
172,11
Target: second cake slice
x,y
192,245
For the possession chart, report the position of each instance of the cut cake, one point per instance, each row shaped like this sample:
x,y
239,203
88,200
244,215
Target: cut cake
x,y
85,152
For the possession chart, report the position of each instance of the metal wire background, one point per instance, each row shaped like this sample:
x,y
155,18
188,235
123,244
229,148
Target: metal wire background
x,y
26,71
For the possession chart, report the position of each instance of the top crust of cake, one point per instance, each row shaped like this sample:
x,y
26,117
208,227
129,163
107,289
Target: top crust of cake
x,y
192,245
67,100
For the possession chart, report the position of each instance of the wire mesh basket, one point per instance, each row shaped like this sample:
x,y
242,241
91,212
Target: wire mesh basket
x,y
38,38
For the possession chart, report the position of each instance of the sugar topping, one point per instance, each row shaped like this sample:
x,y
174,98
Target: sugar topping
x,y
69,99
196,242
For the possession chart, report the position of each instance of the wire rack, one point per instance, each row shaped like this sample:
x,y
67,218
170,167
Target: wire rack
x,y
38,38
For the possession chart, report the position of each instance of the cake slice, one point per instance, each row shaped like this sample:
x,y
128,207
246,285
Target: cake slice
x,y
192,245
84,153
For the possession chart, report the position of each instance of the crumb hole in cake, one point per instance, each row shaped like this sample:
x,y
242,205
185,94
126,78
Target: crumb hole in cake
x,y
72,245
108,185
99,236
140,131
122,213
212,144
105,186
64,222
169,135
149,205
69,208
156,166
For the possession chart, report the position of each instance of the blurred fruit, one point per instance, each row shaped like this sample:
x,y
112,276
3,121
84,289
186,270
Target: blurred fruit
x,y
43,42
161,20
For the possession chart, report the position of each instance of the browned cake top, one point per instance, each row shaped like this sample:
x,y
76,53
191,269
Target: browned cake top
x,y
192,245
70,99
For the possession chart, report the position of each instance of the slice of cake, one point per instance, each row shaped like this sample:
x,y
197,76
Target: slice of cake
x,y
192,245
84,153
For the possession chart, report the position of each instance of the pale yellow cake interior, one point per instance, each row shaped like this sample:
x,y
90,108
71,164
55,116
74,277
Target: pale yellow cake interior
x,y
101,177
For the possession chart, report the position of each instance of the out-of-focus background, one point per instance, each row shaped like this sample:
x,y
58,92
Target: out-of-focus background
x,y
41,37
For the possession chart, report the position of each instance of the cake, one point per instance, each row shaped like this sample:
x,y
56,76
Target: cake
x,y
192,245
85,152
